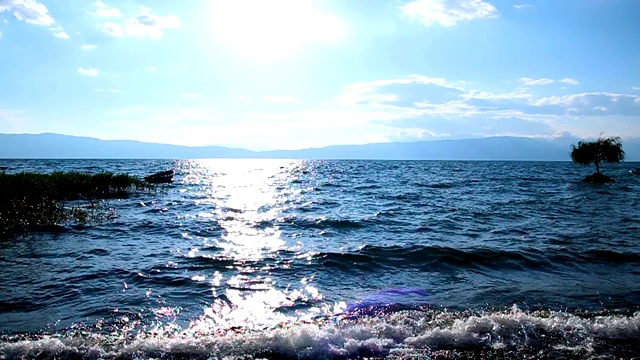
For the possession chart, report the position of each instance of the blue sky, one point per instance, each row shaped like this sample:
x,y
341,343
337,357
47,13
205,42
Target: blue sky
x,y
290,74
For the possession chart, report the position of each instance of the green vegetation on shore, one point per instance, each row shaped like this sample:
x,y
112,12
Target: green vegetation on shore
x,y
32,200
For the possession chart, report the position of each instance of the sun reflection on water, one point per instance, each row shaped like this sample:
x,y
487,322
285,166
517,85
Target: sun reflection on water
x,y
246,198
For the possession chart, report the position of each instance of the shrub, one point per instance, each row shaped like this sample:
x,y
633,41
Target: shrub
x,y
32,200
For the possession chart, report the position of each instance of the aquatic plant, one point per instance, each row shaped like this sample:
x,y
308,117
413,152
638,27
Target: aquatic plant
x,y
596,152
33,200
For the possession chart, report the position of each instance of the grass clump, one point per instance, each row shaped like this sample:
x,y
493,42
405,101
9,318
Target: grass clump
x,y
33,200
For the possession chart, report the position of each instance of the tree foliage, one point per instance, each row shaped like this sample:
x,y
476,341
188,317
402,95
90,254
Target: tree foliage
x,y
598,151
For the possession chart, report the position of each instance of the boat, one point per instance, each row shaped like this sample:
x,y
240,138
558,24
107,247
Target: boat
x,y
635,171
162,177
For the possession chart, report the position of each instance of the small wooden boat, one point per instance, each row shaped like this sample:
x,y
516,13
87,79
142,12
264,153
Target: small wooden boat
x,y
163,177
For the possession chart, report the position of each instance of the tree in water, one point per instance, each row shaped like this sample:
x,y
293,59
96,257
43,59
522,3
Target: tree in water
x,y
596,152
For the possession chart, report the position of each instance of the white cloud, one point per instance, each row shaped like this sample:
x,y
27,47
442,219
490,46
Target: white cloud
x,y
522,6
485,95
592,103
451,111
448,12
635,88
33,12
144,24
522,104
381,91
105,11
61,35
89,47
29,11
151,68
87,72
546,81
570,81
151,25
113,29
536,82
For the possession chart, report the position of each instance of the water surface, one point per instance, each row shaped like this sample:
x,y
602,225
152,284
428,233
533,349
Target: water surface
x,y
333,259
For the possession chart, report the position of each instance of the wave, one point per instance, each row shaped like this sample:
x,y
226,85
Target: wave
x,y
316,223
608,256
438,257
425,333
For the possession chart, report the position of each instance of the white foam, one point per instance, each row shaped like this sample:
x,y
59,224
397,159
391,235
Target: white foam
x,y
395,333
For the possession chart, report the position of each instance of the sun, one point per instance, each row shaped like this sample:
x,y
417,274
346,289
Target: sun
x,y
272,29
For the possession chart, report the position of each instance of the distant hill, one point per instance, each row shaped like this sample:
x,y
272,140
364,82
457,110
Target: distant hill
x,y
494,148
491,148
64,146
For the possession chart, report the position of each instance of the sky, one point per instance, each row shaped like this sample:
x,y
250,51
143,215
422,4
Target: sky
x,y
292,74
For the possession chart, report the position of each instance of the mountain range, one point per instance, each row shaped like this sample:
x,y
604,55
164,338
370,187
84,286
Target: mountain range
x,y
23,146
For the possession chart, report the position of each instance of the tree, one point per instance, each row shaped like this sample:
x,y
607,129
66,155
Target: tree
x,y
598,151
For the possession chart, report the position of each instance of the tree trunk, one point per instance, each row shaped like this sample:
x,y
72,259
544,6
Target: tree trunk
x,y
597,167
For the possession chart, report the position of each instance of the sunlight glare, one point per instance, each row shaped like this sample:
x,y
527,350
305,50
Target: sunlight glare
x,y
270,29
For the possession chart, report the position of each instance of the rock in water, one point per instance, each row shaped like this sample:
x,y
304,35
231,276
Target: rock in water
x,y
598,178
